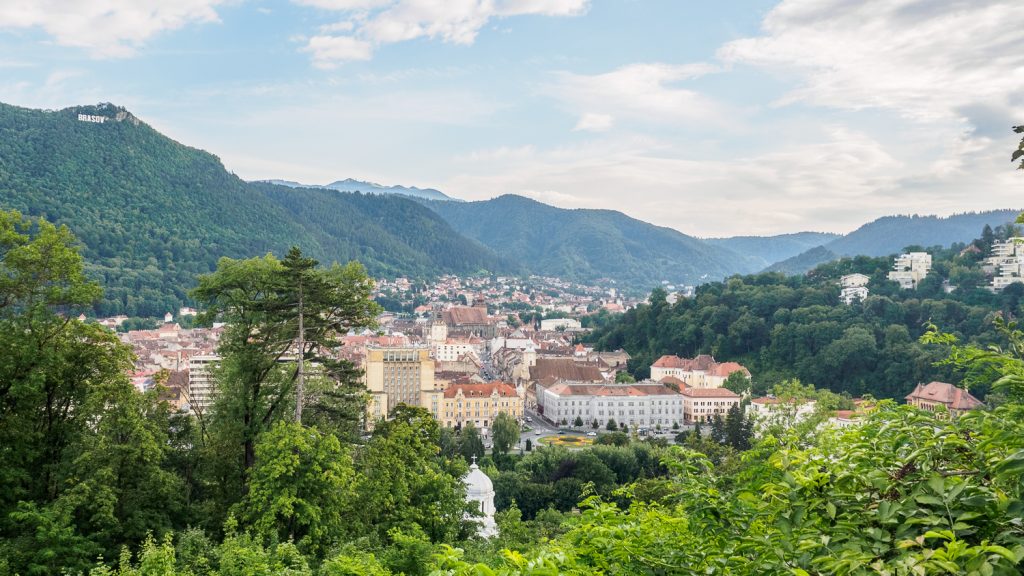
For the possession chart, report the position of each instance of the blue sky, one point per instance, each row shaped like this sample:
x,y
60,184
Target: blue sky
x,y
714,118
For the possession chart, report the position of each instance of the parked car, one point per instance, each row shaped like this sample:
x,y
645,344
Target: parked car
x,y
529,419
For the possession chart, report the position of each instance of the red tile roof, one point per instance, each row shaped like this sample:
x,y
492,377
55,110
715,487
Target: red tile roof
x,y
585,389
709,393
703,362
552,369
480,390
463,315
953,397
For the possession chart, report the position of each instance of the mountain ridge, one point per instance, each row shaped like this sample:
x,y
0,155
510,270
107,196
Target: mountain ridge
x,y
152,213
353,185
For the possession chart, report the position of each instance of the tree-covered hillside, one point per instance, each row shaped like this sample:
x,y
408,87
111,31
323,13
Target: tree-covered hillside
x,y
100,479
152,213
796,327
590,244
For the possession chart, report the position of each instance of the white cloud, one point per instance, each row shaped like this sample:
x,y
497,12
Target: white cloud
x,y
380,22
329,50
591,122
924,59
106,28
647,92
836,181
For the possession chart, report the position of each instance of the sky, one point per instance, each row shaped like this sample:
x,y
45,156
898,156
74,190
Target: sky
x,y
713,118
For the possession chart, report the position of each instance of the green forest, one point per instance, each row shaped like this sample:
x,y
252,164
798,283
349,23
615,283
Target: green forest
x,y
277,476
151,214
783,327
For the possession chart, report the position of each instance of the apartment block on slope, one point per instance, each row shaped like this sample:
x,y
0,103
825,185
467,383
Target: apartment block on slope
x,y
909,269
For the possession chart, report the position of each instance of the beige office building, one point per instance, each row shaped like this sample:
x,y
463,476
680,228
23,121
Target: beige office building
x,y
398,375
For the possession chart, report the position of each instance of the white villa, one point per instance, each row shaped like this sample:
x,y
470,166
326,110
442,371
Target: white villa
x,y
910,268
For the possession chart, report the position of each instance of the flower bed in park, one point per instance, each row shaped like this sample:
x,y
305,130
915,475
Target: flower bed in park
x,y
567,440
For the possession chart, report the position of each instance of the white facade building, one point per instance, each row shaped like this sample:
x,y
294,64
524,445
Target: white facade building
x,y
453,349
854,288
645,403
1007,263
910,268
567,324
700,372
201,385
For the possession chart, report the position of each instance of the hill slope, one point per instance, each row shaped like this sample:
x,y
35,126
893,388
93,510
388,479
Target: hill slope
x,y
891,234
767,250
590,244
153,213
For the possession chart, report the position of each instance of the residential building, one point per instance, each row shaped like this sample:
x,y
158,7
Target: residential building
x,y
478,403
451,349
909,269
645,403
702,404
854,288
547,371
934,394
1006,263
201,384
397,375
787,412
566,324
700,372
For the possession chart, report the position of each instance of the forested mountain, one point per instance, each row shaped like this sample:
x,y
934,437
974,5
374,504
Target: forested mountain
x,y
796,327
152,213
767,250
589,244
351,185
891,234
804,261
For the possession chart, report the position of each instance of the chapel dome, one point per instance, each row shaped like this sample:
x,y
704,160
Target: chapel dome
x,y
477,483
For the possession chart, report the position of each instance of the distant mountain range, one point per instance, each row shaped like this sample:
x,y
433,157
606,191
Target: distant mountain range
x,y
767,250
590,244
350,185
152,213
892,234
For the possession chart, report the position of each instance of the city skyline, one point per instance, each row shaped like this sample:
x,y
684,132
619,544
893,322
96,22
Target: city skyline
x,y
766,118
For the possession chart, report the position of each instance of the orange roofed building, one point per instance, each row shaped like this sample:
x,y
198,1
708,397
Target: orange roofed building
x,y
700,372
934,394
479,403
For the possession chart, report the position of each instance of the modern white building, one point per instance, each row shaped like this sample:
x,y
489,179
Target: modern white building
x,y
910,268
854,288
1007,263
645,403
201,384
